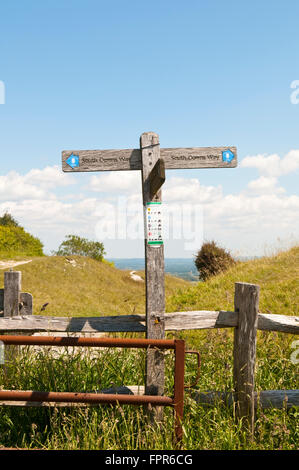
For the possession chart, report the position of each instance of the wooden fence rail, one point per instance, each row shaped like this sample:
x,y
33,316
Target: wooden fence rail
x,y
16,317
176,321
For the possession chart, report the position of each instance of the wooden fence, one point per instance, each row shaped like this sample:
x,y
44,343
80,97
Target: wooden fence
x,y
16,317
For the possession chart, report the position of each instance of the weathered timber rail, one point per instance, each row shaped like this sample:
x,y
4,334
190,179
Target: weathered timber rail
x,y
176,321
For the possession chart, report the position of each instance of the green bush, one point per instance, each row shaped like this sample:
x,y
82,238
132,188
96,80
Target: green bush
x,y
211,260
75,245
14,241
7,220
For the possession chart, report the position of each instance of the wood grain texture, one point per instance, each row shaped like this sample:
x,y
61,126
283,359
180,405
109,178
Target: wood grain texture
x,y
154,273
131,159
245,334
1,302
157,177
177,321
12,291
275,322
26,304
11,305
278,399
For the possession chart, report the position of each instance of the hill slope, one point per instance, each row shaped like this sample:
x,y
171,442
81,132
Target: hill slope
x,y
278,277
15,241
75,286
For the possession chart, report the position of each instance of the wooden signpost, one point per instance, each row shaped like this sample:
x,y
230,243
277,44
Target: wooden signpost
x,y
152,161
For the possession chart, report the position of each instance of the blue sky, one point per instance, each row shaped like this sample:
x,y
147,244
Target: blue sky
x,y
93,74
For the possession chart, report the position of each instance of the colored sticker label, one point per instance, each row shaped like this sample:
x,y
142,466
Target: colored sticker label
x,y
153,223
228,156
73,161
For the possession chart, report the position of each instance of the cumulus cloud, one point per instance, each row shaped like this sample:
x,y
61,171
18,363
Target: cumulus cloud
x,y
116,182
265,184
190,190
49,177
273,165
254,215
33,185
13,187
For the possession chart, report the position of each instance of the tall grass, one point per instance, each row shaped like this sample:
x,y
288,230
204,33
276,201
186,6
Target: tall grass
x,y
128,427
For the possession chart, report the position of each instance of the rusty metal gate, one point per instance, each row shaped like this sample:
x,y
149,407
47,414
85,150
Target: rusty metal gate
x,y
177,401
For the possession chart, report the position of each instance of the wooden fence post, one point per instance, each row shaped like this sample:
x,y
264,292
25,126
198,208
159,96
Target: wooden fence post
x,y
154,272
246,304
11,304
12,293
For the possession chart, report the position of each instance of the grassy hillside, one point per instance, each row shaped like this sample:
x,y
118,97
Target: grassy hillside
x,y
81,286
75,286
278,277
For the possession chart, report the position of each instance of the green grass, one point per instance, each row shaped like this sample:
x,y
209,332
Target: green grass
x,y
128,427
277,276
89,288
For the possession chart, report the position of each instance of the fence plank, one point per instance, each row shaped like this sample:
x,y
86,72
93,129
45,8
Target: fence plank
x,y
176,321
264,399
26,303
246,304
275,322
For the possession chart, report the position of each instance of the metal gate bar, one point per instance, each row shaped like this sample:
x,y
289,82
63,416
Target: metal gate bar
x,y
177,402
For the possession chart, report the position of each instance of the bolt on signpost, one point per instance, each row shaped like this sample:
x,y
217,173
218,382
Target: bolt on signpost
x,y
152,162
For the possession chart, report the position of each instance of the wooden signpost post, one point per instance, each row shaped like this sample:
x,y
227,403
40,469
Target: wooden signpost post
x,y
152,161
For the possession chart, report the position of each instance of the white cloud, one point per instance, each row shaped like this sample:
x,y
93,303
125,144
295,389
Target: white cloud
x,y
190,191
49,177
259,213
264,185
33,185
273,165
116,182
14,186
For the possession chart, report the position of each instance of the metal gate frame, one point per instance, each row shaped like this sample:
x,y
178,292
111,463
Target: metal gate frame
x,y
177,401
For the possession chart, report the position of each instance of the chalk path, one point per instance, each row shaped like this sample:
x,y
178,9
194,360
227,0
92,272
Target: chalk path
x,y
135,277
12,264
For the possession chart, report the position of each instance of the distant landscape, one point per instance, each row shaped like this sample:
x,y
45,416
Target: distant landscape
x,y
179,267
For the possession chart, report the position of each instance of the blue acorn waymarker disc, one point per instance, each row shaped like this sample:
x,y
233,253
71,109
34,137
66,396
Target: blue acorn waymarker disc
x,y
73,161
227,156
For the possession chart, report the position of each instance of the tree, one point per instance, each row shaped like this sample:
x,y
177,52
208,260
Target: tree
x,y
7,220
75,245
211,260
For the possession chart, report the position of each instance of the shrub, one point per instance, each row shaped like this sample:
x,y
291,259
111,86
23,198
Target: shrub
x,y
211,260
15,241
74,245
7,220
